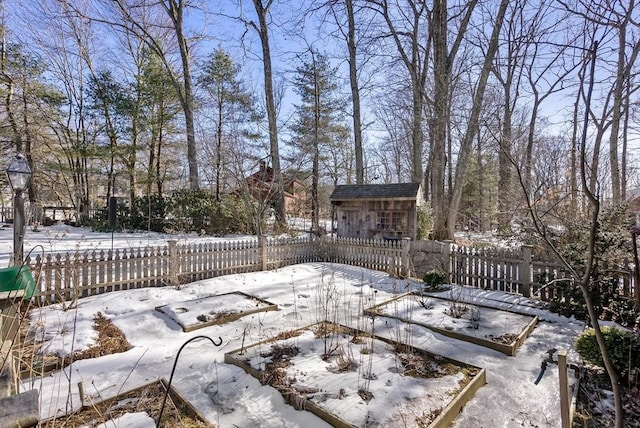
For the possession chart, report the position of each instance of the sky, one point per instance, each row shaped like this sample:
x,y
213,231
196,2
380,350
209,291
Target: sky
x,y
214,24
510,397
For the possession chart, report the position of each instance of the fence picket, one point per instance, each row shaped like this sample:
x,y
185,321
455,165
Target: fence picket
x,y
64,277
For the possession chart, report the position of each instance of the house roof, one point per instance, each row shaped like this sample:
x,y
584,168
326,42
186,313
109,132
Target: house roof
x,y
265,175
346,192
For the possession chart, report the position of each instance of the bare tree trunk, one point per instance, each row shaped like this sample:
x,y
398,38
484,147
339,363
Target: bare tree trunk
x,y
483,219
262,11
355,93
442,63
472,126
594,202
315,208
573,180
175,10
505,195
219,149
625,143
415,58
441,71
615,119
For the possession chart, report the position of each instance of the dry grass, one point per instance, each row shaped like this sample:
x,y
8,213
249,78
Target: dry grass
x,y
345,361
287,335
505,339
326,329
111,340
274,371
147,399
420,365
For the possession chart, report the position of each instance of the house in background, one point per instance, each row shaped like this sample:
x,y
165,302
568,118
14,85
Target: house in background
x,y
260,184
376,211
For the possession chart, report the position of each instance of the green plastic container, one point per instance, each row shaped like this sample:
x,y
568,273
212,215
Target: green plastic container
x,y
18,278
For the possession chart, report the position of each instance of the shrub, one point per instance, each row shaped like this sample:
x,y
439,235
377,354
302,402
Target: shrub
x,y
424,222
434,279
199,211
623,348
231,216
190,210
148,213
611,252
100,220
183,211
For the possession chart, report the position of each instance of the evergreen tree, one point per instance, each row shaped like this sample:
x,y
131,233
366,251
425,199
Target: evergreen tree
x,y
317,127
230,104
159,105
28,108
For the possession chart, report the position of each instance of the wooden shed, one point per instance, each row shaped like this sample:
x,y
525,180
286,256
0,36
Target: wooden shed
x,y
376,211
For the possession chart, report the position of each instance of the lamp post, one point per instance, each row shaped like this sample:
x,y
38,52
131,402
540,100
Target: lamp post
x,y
19,175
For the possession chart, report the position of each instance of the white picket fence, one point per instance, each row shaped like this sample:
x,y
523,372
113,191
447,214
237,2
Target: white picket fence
x,y
63,277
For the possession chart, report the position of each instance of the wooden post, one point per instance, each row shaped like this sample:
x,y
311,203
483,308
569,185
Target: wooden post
x,y
81,393
405,269
448,251
525,270
9,309
262,243
564,388
174,263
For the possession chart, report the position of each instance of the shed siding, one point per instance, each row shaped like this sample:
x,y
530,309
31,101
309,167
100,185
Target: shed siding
x,y
376,219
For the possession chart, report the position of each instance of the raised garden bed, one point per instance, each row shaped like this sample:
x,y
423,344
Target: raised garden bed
x,y
350,378
222,308
146,399
493,328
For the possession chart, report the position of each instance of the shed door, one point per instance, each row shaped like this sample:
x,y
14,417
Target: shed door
x,y
352,224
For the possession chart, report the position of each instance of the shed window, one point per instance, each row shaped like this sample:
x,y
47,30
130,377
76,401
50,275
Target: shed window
x,y
397,220
384,220
391,220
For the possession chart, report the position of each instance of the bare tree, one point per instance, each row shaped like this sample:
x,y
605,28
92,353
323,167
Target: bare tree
x,y
393,153
347,10
135,18
262,8
528,69
585,277
446,208
65,41
616,24
548,67
408,36
231,104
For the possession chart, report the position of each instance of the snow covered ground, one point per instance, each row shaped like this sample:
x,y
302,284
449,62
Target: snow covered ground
x,y
510,398
61,238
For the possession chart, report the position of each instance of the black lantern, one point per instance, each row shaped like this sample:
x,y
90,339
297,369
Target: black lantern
x,y
19,174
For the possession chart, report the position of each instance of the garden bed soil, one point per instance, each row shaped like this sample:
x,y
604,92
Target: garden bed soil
x,y
350,378
219,309
32,362
493,328
146,399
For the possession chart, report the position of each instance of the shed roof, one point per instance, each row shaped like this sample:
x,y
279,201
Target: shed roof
x,y
347,192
